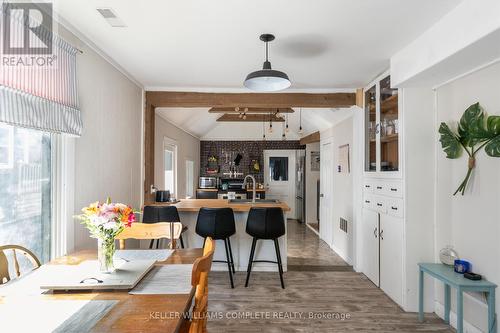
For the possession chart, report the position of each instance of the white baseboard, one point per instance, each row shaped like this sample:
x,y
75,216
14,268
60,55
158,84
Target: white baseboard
x,y
313,230
346,259
468,327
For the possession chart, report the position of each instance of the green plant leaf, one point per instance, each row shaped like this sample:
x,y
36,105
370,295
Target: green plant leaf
x,y
471,128
450,142
493,125
493,147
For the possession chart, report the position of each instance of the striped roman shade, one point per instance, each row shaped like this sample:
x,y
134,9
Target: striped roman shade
x,y
37,90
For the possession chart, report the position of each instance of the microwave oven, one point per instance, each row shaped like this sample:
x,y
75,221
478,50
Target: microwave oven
x,y
208,182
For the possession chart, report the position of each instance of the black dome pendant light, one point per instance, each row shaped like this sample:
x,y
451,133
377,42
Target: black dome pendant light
x,y
267,79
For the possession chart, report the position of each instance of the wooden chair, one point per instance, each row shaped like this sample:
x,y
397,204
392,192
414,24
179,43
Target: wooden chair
x,y
199,279
4,263
169,230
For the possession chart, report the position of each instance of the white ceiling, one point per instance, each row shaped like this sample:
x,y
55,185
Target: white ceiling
x,y
200,123
199,44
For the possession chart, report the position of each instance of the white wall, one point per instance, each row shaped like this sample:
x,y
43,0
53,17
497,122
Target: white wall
x,y
312,178
342,204
449,48
471,223
188,148
418,163
107,157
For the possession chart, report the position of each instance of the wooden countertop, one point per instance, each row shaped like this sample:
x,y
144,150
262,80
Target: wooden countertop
x,y
194,205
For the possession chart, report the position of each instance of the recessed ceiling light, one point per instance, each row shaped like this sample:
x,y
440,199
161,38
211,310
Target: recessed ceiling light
x,y
110,16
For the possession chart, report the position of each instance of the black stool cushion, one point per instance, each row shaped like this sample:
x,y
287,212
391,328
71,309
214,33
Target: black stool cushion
x,y
155,214
265,223
217,223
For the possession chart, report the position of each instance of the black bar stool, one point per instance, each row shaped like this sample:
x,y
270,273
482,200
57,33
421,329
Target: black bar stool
x,y
265,223
155,214
218,223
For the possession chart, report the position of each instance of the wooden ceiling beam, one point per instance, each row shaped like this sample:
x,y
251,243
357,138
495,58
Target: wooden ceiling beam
x,y
311,138
257,100
249,118
250,110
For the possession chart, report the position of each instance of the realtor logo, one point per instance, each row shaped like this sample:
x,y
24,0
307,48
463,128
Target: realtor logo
x,y
27,28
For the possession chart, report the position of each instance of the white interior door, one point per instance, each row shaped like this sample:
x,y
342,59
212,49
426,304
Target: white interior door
x,y
326,192
279,177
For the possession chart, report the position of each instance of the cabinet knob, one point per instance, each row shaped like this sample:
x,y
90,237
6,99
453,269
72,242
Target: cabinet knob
x,y
367,201
367,186
394,208
379,204
379,187
321,195
394,189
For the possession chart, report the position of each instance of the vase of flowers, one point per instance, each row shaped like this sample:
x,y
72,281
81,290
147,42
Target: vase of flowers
x,y
105,221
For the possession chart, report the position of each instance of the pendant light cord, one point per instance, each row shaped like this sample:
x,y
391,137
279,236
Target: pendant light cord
x,y
267,52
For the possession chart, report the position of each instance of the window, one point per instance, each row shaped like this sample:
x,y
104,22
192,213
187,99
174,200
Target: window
x,y
25,189
189,179
170,162
278,167
6,146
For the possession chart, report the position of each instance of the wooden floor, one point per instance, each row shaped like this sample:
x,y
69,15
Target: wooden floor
x,y
327,287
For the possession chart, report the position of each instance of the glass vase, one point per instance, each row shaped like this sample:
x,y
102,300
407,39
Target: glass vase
x,y
105,253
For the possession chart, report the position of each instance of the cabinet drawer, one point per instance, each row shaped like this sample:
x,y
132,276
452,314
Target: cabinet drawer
x,y
368,186
395,207
369,202
394,189
380,205
379,188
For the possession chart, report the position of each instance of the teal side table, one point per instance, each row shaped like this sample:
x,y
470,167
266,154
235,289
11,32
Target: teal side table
x,y
447,275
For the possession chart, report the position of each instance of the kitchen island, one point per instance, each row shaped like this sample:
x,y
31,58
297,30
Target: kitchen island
x,y
241,242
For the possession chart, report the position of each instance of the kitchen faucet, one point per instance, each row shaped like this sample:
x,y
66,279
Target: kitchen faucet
x,y
253,188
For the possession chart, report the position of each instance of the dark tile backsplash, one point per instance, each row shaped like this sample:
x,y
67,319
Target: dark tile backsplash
x,y
249,150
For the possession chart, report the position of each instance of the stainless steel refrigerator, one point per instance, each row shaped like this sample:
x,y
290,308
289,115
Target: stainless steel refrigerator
x,y
300,179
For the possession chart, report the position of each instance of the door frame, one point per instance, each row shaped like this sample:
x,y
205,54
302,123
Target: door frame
x,y
291,154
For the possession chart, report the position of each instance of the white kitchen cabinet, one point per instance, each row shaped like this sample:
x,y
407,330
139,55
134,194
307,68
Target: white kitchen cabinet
x,y
382,129
391,259
395,129
371,245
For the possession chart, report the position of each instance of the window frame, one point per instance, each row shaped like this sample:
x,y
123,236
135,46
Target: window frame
x,y
168,142
190,186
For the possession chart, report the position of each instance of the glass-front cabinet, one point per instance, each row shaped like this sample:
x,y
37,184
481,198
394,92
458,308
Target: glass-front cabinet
x,y
382,127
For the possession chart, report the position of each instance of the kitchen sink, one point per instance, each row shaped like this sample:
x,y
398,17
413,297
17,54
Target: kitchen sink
x,y
250,201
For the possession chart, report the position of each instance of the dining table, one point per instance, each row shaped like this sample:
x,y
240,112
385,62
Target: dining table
x,y
131,313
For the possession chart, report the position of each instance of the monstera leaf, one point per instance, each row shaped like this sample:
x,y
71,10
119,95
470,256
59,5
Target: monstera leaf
x,y
474,129
470,125
450,142
492,148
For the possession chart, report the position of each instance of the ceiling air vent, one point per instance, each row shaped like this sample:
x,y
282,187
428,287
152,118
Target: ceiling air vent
x,y
110,16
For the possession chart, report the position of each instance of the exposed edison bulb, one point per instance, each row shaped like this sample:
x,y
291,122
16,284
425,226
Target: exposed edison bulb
x,y
237,109
240,115
244,116
283,137
300,130
246,110
287,129
270,128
